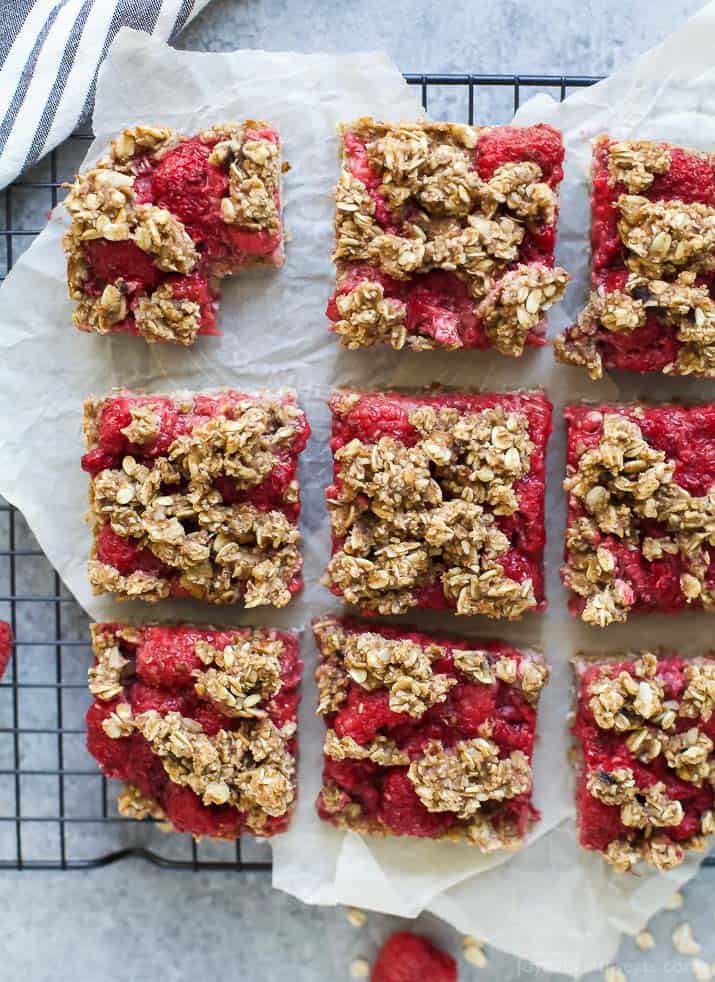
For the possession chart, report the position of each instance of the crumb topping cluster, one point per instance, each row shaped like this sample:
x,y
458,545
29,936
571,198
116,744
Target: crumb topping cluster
x,y
666,244
468,778
171,506
407,515
444,217
247,765
662,735
622,485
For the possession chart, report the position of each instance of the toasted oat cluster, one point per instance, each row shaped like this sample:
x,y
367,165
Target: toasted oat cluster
x,y
641,510
199,722
445,234
195,496
652,264
161,218
6,640
438,501
644,732
427,735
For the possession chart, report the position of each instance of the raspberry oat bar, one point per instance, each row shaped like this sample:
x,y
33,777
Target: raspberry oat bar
x,y
195,496
427,735
199,722
652,264
159,219
641,509
644,731
445,234
438,501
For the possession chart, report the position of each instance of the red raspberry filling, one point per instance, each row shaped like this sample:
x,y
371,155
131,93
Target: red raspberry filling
x,y
159,677
5,646
407,957
687,436
387,414
385,794
689,178
606,751
438,303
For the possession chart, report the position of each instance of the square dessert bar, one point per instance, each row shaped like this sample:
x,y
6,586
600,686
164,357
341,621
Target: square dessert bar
x,y
427,735
195,496
199,722
652,262
445,234
438,501
641,509
162,217
6,641
644,731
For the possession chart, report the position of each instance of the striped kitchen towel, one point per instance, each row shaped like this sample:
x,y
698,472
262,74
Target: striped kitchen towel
x,y
50,52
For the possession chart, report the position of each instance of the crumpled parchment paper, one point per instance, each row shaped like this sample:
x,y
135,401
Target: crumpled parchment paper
x,y
552,904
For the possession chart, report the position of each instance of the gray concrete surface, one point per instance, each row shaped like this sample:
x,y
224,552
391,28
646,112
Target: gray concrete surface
x,y
133,921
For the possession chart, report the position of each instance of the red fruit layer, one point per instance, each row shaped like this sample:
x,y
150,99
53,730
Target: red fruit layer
x,y
689,178
385,793
438,303
686,434
387,414
407,957
606,750
160,677
5,646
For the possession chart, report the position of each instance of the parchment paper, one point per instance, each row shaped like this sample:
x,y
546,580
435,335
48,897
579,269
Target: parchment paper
x,y
552,904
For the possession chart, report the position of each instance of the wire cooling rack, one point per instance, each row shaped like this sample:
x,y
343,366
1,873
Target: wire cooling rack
x,y
56,809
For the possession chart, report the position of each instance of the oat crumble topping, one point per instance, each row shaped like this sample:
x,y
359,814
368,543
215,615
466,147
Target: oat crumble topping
x,y
620,483
399,528
635,163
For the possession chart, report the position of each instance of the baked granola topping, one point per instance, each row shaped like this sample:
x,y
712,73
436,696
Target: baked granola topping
x,y
426,507
645,766
426,735
219,764
426,229
158,218
652,264
195,496
632,519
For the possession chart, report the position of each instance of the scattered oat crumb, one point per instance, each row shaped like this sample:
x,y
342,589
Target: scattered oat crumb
x,y
675,902
683,940
475,956
701,970
645,940
356,916
359,968
614,973
469,939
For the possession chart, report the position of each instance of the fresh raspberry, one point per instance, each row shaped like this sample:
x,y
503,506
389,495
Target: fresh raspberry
x,y
689,178
187,813
124,555
167,657
407,957
187,185
364,714
196,286
474,705
598,824
115,417
5,646
145,698
402,811
111,755
358,778
111,261
511,144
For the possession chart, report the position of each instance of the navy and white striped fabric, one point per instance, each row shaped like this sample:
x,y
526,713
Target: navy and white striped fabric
x,y
50,52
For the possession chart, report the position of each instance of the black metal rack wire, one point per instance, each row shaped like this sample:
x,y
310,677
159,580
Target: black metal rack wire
x,y
56,809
